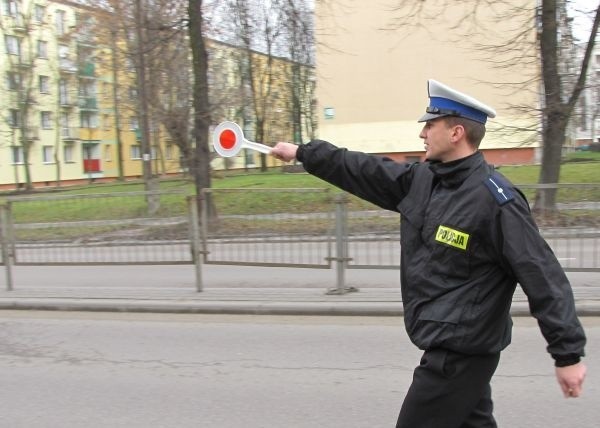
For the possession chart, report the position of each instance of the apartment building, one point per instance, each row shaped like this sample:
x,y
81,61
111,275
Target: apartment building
x,y
586,120
72,111
66,120
372,71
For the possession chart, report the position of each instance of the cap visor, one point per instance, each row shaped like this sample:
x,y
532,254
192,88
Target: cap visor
x,y
430,116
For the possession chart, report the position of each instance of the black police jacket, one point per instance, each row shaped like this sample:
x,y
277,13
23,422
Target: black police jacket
x,y
467,239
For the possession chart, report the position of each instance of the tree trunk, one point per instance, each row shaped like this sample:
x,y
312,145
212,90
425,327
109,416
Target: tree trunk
x,y
555,121
200,165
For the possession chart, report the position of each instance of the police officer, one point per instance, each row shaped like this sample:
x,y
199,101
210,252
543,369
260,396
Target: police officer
x,y
467,239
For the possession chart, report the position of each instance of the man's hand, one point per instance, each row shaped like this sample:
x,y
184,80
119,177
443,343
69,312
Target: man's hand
x,y
284,151
570,379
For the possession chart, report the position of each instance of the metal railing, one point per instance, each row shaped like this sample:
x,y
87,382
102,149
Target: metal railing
x,y
312,228
97,229
288,232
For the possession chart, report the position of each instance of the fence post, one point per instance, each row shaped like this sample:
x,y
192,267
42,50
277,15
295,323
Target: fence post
x,y
7,258
341,245
195,239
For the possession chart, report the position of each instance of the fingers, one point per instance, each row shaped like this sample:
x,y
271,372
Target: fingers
x,y
285,152
570,379
573,392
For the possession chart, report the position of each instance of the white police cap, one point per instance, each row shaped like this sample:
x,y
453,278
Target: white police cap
x,y
445,101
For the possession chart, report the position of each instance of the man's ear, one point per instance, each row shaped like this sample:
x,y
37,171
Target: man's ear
x,y
457,133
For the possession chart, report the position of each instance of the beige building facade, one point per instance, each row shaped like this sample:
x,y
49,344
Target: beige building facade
x,y
372,81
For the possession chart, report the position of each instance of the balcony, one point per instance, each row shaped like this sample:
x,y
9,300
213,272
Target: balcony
x,y
86,39
91,165
64,33
19,24
25,97
22,61
88,103
67,102
69,133
66,66
88,70
31,132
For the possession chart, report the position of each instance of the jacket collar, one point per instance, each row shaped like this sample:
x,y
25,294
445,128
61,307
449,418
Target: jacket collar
x,y
453,173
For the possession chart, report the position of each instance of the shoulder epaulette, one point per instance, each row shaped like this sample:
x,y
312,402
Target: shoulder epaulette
x,y
499,189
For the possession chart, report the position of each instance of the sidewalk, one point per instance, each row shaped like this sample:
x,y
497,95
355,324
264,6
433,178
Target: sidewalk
x,y
231,290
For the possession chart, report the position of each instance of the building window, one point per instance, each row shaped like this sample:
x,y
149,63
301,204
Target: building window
x,y
65,129
107,152
42,49
14,118
13,45
106,90
17,154
87,88
11,7
88,119
129,64
47,154
63,93
61,27
133,93
38,12
154,152
135,151
133,123
44,84
169,152
68,153
63,51
13,81
106,122
46,119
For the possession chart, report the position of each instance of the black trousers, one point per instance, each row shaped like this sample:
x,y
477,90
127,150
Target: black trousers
x,y
450,390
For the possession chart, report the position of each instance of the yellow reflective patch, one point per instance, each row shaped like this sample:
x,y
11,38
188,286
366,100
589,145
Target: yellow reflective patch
x,y
452,237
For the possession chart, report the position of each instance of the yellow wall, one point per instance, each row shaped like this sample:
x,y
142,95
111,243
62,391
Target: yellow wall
x,y
376,81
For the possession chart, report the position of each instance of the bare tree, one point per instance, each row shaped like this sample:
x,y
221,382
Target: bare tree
x,y
153,46
257,26
559,104
170,73
300,44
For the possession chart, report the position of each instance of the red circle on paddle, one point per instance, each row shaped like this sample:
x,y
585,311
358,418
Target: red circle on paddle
x,y
227,139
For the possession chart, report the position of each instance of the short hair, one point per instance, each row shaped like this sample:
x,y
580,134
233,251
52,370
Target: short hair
x,y
475,131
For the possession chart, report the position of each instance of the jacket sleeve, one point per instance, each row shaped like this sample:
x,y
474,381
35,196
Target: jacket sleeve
x,y
376,179
543,280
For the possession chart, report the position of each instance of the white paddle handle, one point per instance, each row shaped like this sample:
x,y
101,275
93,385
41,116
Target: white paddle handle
x,y
257,146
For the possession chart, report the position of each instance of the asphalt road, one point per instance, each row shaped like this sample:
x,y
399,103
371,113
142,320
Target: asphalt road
x,y
163,370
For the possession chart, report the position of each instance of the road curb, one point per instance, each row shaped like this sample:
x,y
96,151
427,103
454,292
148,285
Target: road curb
x,y
239,307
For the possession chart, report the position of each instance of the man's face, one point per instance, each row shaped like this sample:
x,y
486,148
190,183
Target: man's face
x,y
437,139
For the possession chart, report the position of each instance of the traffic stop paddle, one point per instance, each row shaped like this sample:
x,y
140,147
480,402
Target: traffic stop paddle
x,y
228,140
